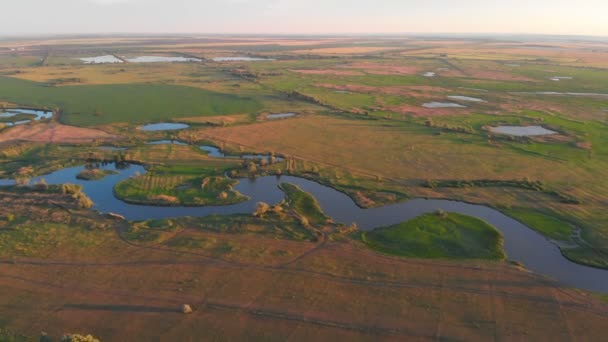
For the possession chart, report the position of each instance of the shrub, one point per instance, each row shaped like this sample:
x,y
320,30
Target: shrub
x,y
70,189
252,168
78,338
261,209
83,200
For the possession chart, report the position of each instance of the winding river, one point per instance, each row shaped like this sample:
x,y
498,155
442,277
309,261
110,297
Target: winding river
x,y
521,243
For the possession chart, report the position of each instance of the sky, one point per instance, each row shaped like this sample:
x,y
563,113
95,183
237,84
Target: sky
x,y
581,17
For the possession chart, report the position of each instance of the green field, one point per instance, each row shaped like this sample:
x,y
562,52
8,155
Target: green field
x,y
91,105
304,203
180,186
547,225
439,235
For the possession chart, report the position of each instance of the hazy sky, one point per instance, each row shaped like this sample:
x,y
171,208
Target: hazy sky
x,y
589,17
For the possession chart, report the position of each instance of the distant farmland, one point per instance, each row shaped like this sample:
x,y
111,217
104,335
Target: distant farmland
x,y
91,105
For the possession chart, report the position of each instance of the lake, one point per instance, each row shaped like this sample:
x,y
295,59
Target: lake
x,y
465,98
442,105
106,59
522,131
164,126
162,59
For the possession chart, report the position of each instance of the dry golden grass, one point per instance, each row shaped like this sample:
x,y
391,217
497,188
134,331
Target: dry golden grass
x,y
218,120
346,50
112,74
574,57
391,152
55,133
329,293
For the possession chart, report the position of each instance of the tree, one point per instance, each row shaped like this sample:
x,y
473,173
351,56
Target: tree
x,y
252,168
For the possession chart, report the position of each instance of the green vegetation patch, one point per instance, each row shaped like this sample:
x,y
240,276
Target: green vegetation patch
x,y
180,186
90,105
439,235
588,256
547,225
95,174
36,239
523,184
304,203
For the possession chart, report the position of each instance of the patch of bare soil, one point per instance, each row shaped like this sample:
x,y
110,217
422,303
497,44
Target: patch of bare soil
x,y
54,133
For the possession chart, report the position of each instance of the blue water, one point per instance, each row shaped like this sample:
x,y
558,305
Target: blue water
x,y
215,152
280,116
37,115
164,126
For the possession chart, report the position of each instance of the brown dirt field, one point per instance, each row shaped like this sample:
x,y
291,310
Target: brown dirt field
x,y
328,72
54,133
328,294
120,291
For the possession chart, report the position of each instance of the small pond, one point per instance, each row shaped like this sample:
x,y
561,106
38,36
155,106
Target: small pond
x,y
112,148
465,98
560,78
167,142
107,59
442,105
164,126
567,93
215,152
36,115
162,59
280,116
522,131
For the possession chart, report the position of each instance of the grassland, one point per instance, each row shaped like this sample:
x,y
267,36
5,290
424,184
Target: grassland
x,y
92,105
180,186
439,235
547,225
363,130
304,203
94,174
